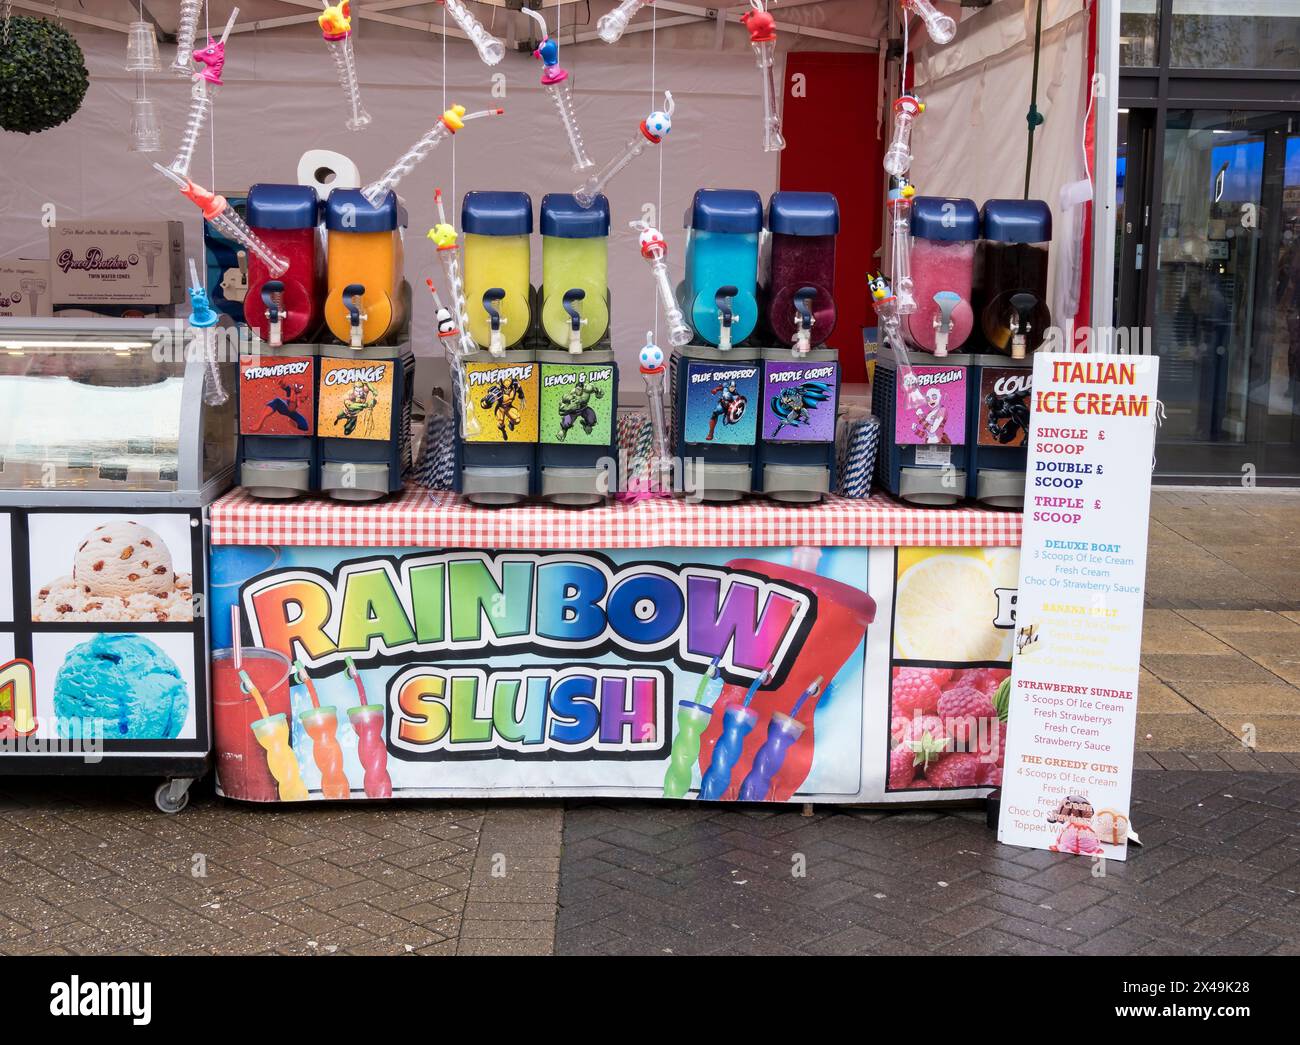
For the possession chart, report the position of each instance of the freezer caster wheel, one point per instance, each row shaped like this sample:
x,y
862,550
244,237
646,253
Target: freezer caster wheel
x,y
172,795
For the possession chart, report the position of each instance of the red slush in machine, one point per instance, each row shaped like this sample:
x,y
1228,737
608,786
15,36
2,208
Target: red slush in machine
x,y
277,384
945,234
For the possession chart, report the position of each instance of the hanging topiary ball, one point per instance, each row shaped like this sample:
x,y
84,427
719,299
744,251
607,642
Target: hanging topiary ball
x,y
43,76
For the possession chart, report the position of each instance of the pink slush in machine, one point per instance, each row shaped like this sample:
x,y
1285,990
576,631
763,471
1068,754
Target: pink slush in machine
x,y
945,235
288,308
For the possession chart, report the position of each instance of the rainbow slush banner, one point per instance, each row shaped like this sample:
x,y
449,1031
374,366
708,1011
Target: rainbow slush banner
x,y
555,673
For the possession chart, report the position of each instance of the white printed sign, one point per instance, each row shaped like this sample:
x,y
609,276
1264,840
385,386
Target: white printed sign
x,y
1074,676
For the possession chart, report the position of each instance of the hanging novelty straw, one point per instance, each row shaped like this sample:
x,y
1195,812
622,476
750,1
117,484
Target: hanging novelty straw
x,y
610,27
555,79
490,49
654,248
225,219
336,27
186,28
444,237
899,204
203,93
941,27
448,124
891,333
651,131
762,37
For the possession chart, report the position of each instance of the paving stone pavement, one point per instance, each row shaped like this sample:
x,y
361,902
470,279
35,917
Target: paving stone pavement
x,y
91,868
1219,874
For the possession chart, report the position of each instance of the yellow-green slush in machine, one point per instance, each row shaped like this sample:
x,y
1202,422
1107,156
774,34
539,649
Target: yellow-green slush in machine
x,y
579,395
496,460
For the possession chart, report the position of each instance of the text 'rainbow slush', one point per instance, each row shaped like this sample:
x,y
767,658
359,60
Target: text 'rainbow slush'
x,y
203,92
555,78
336,27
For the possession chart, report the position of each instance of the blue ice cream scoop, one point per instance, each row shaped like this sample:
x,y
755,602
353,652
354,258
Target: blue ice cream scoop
x,y
127,683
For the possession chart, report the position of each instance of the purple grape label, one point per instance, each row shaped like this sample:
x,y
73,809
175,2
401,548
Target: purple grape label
x,y
799,401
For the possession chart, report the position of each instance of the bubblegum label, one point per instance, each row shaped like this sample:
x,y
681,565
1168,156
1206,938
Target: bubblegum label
x,y
277,395
504,398
940,419
356,398
721,402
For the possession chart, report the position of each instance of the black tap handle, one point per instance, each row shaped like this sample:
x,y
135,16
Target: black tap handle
x,y
1023,304
803,299
490,298
351,293
272,295
723,300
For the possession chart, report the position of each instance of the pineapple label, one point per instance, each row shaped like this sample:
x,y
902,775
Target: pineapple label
x,y
1078,629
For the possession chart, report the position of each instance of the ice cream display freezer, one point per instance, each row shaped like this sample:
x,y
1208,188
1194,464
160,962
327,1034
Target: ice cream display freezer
x,y
115,435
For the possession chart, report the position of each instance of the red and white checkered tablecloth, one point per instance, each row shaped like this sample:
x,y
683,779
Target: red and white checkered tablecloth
x,y
417,518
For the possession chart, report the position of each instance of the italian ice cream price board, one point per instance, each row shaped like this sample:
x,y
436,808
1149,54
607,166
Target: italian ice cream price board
x,y
839,661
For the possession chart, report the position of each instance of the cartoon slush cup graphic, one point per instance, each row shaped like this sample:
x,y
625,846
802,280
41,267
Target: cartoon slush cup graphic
x,y
692,720
321,724
272,732
840,617
368,721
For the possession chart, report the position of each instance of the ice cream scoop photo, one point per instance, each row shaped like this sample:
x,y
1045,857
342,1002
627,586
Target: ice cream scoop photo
x,y
121,571
124,687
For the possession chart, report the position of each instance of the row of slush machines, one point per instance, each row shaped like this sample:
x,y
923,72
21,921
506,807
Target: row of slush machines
x,y
325,401
979,285
754,391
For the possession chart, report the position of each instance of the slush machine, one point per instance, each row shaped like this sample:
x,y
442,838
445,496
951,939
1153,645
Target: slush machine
x,y
716,385
579,381
800,390
497,459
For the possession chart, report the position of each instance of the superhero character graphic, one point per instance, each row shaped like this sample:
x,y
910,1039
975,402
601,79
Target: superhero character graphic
x,y
575,408
730,406
358,405
795,404
501,399
931,419
287,405
1008,417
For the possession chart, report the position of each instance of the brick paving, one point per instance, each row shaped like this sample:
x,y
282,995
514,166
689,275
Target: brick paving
x,y
1219,874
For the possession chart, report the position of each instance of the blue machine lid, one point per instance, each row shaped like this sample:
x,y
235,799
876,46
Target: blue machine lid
x,y
282,207
347,210
561,216
1017,221
497,213
950,218
803,214
725,210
